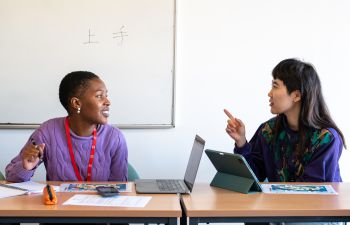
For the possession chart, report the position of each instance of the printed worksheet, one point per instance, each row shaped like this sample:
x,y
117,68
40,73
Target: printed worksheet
x,y
97,200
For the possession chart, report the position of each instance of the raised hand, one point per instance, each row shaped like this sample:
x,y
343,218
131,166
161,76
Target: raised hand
x,y
31,155
235,129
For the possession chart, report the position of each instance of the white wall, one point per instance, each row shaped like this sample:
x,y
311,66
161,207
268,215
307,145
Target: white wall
x,y
226,50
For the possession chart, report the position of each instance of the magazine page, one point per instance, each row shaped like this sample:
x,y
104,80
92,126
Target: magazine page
x,y
83,187
298,189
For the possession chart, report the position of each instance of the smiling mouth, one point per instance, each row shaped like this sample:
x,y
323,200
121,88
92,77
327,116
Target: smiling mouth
x,y
105,113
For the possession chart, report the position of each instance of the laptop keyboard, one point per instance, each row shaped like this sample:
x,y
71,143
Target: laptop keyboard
x,y
170,185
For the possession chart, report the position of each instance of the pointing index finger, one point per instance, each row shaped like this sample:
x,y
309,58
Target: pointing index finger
x,y
229,114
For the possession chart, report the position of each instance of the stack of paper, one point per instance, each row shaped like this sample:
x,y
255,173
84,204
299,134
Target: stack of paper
x,y
8,191
31,186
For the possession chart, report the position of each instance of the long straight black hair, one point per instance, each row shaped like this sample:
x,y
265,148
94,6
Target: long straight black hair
x,y
298,75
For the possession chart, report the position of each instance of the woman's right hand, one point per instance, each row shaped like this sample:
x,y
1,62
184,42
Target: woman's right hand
x,y
235,129
31,155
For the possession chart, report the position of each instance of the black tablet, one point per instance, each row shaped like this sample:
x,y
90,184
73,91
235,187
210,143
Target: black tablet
x,y
234,172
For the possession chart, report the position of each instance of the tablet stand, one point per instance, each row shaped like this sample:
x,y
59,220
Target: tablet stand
x,y
232,182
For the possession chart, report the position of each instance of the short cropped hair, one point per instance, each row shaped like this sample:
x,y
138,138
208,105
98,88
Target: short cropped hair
x,y
74,84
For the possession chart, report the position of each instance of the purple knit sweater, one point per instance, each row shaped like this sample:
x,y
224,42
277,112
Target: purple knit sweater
x,y
110,161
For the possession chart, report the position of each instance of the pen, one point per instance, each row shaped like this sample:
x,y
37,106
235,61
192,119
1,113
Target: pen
x,y
36,147
33,142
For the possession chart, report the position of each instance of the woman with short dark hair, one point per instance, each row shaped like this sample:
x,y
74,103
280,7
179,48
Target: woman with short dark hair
x,y
80,146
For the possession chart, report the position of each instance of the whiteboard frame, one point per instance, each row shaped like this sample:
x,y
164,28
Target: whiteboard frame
x,y
126,126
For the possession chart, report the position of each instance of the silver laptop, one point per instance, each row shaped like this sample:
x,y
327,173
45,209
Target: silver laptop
x,y
175,186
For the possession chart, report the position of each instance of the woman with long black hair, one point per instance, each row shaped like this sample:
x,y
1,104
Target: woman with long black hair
x,y
301,143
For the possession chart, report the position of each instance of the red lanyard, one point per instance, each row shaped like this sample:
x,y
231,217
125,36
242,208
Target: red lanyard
x,y
92,152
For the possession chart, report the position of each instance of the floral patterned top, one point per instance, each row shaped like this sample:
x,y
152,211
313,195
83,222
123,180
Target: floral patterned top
x,y
278,162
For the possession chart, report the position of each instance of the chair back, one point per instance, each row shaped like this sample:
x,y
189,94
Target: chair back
x,y
2,176
132,174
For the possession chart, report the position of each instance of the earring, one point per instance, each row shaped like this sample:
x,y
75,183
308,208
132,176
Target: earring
x,y
78,110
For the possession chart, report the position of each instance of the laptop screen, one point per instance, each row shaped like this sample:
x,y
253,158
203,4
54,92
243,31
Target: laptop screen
x,y
193,162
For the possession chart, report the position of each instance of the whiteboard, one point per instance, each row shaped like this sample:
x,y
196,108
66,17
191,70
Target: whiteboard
x,y
130,44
